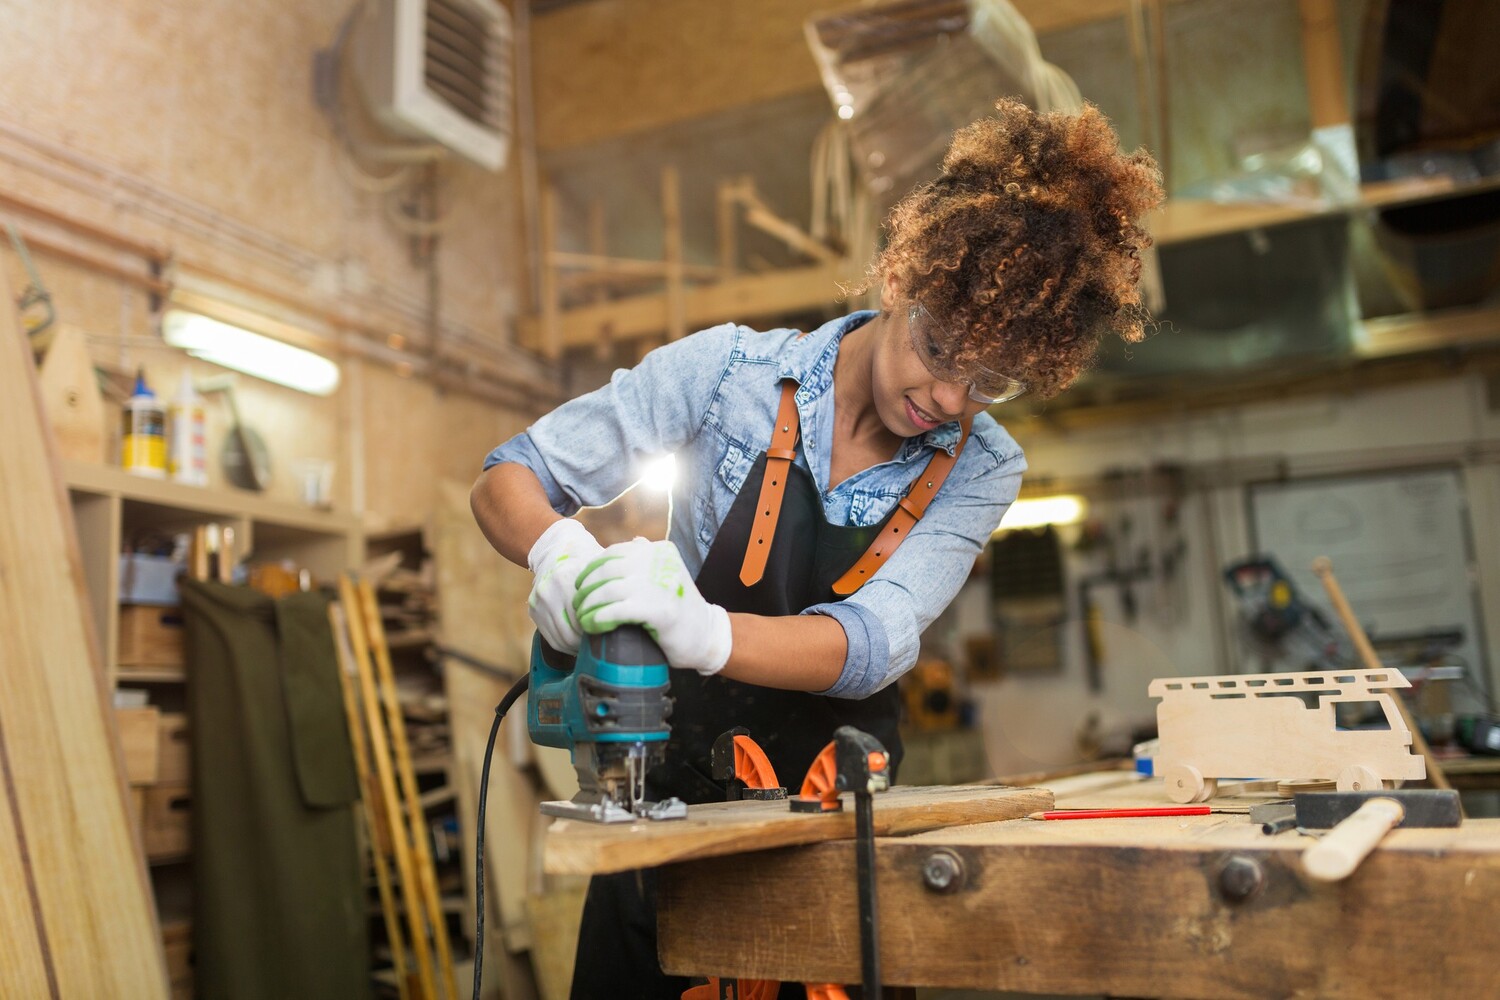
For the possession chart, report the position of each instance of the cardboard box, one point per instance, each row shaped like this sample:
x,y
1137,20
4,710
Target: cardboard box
x,y
166,821
150,638
177,942
140,743
174,753
148,579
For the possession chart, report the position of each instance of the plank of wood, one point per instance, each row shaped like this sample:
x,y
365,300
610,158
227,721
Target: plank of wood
x,y
64,786
379,846
1042,910
388,805
25,951
719,828
426,883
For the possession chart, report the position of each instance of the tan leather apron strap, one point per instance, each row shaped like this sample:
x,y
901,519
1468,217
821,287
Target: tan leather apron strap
x,y
772,485
909,510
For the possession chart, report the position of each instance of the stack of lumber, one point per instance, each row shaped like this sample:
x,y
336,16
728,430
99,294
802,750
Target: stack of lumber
x,y
76,914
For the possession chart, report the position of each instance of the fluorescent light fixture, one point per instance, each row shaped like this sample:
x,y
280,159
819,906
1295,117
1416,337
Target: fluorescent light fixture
x,y
1034,512
251,353
660,473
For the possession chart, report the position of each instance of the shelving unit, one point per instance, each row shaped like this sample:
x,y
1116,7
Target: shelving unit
x,y
409,612
110,506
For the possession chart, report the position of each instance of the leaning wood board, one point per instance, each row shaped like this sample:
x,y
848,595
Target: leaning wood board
x,y
77,918
574,847
1117,907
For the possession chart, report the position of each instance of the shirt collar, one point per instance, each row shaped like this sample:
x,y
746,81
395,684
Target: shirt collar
x,y
809,362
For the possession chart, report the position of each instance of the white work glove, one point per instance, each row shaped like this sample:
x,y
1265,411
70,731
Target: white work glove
x,y
556,559
645,583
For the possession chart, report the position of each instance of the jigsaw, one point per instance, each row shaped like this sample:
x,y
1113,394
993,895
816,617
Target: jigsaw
x,y
609,707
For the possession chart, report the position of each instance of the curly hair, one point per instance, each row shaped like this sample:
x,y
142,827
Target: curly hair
x,y
1026,249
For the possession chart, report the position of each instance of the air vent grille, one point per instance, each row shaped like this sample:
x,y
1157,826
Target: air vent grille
x,y
461,64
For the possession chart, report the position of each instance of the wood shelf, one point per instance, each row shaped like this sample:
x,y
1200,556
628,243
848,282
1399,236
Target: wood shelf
x,y
106,480
1184,219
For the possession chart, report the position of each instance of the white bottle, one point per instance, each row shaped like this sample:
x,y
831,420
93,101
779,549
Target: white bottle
x,y
187,458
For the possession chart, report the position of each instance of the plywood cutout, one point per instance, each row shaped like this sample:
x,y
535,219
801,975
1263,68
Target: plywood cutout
x,y
71,397
1261,726
79,916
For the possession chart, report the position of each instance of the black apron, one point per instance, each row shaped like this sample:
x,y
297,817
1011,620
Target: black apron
x,y
617,940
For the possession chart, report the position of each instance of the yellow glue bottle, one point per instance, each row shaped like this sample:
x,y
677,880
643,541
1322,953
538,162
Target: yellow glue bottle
x,y
144,446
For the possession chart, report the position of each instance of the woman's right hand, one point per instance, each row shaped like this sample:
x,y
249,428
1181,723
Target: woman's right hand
x,y
555,560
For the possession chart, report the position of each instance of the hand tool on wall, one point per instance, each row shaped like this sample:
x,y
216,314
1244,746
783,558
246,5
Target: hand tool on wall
x,y
854,762
608,706
1323,566
1358,821
34,302
246,460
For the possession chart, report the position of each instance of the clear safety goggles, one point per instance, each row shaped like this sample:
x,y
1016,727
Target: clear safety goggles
x,y
985,386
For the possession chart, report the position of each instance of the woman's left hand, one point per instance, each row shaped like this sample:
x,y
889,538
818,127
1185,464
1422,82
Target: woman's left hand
x,y
645,583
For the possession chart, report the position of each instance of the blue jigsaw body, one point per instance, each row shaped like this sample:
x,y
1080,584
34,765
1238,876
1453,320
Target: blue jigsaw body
x,y
609,707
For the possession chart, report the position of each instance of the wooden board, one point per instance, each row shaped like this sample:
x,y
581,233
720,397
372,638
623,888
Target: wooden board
x,y
84,890
574,847
1117,907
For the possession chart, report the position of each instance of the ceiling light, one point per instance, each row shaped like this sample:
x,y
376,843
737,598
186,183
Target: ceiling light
x,y
251,353
1034,512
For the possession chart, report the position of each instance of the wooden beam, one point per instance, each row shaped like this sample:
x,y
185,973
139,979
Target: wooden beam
x,y
1323,62
671,212
611,68
551,340
743,298
1115,907
720,828
570,261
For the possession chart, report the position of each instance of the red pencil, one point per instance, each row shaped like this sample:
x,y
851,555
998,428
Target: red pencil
x,y
1123,813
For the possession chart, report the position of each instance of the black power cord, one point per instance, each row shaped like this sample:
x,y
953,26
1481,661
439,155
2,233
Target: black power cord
x,y
517,689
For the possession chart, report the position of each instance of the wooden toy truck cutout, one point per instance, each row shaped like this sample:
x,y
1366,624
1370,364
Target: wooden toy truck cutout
x,y
1258,726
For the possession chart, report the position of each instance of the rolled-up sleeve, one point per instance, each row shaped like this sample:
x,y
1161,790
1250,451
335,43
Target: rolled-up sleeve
x,y
884,620
589,450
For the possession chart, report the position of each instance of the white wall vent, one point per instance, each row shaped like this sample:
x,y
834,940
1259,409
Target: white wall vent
x,y
439,70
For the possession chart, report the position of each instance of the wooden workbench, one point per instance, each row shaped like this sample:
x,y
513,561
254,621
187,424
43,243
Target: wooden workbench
x,y
1180,907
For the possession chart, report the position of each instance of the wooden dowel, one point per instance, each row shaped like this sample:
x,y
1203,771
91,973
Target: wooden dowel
x,y
1323,566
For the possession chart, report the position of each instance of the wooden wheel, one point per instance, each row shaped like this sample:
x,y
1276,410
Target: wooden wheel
x,y
1359,778
1185,783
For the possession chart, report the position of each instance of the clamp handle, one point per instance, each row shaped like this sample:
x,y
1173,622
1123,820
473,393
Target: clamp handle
x,y
854,761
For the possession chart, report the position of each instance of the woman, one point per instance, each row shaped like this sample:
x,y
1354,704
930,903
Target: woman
x,y
833,488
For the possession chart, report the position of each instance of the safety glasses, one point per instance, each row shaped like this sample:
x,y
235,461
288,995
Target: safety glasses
x,y
928,340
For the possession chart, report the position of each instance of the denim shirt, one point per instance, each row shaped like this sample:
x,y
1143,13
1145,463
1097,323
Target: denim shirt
x,y
711,399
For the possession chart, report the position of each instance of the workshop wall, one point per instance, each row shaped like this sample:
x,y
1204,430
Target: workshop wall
x,y
1187,624
195,129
